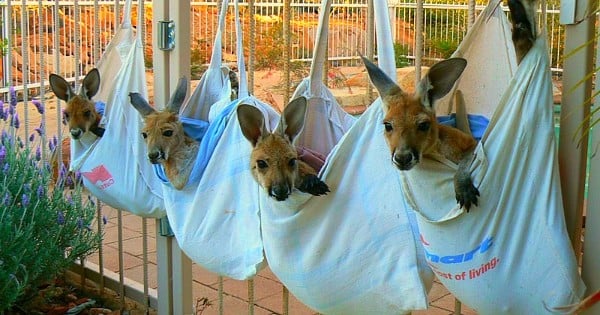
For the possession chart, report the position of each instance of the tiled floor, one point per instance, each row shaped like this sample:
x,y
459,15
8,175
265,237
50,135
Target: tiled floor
x,y
268,292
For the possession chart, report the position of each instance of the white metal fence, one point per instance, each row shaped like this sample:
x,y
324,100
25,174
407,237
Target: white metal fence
x,y
68,37
45,37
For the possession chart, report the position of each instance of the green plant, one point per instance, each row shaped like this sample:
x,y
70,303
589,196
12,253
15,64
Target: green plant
x,y
269,54
44,226
444,48
3,47
400,53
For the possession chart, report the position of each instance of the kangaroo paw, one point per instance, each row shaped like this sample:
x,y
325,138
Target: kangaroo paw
x,y
98,131
313,185
523,22
466,193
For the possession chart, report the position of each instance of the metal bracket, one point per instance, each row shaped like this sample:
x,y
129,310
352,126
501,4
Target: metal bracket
x,y
165,227
166,35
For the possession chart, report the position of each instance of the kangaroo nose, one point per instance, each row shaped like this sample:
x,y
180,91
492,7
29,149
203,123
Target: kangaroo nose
x,y
280,192
403,161
154,156
76,133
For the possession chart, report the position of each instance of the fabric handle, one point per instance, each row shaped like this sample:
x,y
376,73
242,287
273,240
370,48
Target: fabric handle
x,y
243,79
320,50
126,14
217,54
385,42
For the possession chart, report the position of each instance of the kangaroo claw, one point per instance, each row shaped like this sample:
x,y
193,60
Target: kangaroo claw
x,y
313,185
98,131
466,195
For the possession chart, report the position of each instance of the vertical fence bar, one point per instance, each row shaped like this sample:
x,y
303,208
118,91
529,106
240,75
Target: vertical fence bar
x,y
160,63
25,66
418,41
285,300
164,268
590,269
287,51
96,52
141,28
5,53
145,264
370,51
77,33
250,297
575,107
77,43
252,54
101,219
471,13
457,306
56,52
117,13
9,43
179,65
121,262
220,294
42,99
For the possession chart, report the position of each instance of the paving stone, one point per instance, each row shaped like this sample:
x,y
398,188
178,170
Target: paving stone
x,y
204,276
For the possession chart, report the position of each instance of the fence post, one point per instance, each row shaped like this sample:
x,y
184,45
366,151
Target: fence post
x,y
591,257
575,106
161,88
179,65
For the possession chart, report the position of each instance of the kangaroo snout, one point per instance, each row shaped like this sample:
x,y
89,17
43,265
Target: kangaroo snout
x,y
76,133
156,157
280,191
405,159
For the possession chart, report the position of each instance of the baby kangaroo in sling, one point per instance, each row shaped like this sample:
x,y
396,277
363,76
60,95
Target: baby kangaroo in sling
x,y
274,161
411,128
412,131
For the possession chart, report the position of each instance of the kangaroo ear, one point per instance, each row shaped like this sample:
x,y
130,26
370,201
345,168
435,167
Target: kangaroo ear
x,y
141,104
292,119
91,84
178,96
61,88
251,122
439,80
382,82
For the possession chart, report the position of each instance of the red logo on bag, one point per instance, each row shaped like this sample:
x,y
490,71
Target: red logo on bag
x,y
423,240
100,177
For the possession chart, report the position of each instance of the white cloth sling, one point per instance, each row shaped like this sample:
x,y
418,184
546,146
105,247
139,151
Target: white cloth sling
x,y
215,218
511,254
114,167
355,250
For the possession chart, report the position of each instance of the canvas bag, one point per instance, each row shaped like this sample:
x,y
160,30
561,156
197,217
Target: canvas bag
x,y
325,119
114,167
511,254
214,85
215,217
355,250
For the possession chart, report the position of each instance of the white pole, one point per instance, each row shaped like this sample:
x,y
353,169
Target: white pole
x,y
579,31
164,244
179,66
591,252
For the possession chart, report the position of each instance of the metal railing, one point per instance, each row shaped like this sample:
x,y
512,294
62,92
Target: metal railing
x,y
76,46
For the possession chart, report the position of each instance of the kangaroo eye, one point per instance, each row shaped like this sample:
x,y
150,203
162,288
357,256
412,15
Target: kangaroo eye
x,y
66,115
144,135
87,114
292,162
388,126
167,133
424,126
261,164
